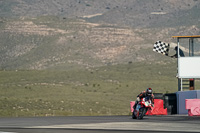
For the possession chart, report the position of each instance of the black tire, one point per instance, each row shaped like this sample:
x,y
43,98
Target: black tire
x,y
144,112
170,102
133,115
141,113
158,96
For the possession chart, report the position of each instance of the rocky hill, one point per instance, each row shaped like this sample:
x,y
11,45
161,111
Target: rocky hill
x,y
52,34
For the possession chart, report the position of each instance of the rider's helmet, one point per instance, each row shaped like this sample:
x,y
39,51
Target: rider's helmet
x,y
149,91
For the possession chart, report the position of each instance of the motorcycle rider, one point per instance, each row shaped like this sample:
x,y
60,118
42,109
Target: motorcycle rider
x,y
148,92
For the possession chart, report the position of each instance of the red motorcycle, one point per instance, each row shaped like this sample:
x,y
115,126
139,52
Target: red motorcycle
x,y
142,107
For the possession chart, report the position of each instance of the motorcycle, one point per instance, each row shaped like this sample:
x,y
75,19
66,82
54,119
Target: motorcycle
x,y
142,107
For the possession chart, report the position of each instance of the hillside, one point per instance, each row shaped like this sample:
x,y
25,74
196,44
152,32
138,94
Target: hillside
x,y
55,33
132,13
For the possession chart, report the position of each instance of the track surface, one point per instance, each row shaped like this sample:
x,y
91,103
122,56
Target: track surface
x,y
101,124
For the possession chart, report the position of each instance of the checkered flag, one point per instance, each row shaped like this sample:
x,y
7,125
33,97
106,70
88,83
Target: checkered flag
x,y
161,47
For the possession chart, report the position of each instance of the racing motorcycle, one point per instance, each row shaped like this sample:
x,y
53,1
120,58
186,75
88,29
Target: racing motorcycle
x,y
142,107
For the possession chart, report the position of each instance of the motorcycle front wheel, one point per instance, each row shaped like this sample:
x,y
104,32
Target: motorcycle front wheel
x,y
142,112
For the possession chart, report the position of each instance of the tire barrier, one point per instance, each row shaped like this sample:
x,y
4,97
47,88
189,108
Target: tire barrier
x,y
158,96
170,102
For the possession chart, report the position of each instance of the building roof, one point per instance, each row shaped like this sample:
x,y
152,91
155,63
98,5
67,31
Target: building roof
x,y
192,36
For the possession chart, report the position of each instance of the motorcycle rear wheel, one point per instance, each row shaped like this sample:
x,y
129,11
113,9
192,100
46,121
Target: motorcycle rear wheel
x,y
133,115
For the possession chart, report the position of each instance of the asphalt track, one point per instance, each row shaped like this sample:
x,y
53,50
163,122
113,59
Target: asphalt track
x,y
101,124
